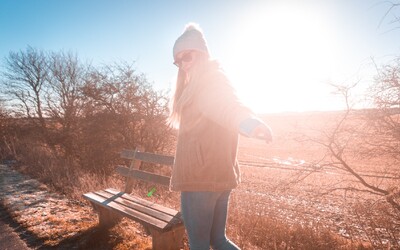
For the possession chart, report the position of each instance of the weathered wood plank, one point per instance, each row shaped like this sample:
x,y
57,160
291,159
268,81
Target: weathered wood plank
x,y
135,164
165,224
148,157
126,211
153,205
142,175
137,206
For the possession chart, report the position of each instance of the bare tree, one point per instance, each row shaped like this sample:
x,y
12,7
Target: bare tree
x,y
25,77
361,158
65,81
64,100
3,129
122,110
365,136
85,115
391,14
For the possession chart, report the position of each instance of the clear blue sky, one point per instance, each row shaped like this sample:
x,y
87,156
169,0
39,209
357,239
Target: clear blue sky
x,y
279,54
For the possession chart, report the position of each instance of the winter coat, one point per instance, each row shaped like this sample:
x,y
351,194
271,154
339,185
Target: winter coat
x,y
207,144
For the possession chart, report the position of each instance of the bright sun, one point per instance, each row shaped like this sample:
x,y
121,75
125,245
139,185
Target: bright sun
x,y
284,57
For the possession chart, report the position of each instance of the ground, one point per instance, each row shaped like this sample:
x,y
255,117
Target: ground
x,y
9,236
270,186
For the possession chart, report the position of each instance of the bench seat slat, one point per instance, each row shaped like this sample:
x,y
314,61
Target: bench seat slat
x,y
142,175
126,211
137,206
166,210
148,157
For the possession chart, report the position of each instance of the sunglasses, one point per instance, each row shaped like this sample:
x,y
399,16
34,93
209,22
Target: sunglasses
x,y
187,57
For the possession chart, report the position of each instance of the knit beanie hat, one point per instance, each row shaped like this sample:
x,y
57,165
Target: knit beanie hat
x,y
191,39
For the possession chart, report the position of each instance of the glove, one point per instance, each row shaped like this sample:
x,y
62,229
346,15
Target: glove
x,y
262,132
255,128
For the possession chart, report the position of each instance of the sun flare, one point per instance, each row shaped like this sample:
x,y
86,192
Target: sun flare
x,y
284,53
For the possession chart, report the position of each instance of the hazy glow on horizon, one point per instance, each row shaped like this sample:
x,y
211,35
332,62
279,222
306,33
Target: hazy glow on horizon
x,y
287,54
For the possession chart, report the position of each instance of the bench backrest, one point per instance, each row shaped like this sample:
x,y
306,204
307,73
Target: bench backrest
x,y
133,171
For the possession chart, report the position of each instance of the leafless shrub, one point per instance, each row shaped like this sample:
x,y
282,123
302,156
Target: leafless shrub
x,y
81,115
363,146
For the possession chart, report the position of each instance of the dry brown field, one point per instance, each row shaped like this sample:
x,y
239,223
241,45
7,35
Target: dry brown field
x,y
285,201
280,179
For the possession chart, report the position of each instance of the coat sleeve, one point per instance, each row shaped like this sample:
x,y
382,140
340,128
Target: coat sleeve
x,y
217,101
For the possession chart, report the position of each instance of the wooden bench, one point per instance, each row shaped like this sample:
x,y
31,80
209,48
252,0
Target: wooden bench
x,y
164,224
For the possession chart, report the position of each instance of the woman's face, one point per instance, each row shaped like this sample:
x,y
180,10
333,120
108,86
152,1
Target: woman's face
x,y
186,59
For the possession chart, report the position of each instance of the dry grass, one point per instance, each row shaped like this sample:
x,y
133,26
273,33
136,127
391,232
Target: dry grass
x,y
252,224
269,210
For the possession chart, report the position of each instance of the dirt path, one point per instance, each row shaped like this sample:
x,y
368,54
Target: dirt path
x,y
9,237
39,218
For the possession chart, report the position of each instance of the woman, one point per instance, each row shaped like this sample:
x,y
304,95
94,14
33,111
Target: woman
x,y
209,117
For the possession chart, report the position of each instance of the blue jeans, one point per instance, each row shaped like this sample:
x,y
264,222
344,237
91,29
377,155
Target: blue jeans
x,y
204,215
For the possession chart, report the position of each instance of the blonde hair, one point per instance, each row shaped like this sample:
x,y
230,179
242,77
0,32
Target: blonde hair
x,y
187,85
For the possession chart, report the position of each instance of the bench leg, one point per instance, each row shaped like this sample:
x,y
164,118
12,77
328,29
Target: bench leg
x,y
107,219
147,230
170,240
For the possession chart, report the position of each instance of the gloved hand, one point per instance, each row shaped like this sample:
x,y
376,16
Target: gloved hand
x,y
263,132
255,128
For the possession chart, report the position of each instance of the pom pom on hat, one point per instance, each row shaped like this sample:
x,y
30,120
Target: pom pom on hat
x,y
191,39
